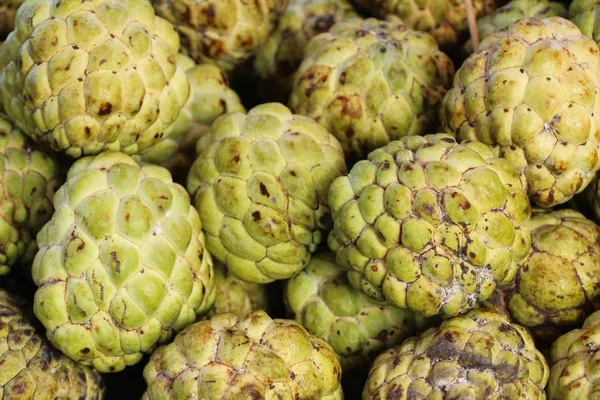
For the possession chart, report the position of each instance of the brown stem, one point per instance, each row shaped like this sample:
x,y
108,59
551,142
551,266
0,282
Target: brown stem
x,y
472,20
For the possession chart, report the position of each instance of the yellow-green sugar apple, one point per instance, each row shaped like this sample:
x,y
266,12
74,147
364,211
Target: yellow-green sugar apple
x,y
533,91
29,178
584,14
430,225
323,301
477,356
282,53
574,359
260,184
515,10
121,265
254,357
92,76
558,284
446,20
30,368
369,82
225,32
236,296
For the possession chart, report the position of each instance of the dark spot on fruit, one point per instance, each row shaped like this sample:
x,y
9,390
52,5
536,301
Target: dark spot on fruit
x,y
263,190
374,268
256,216
85,350
105,109
342,78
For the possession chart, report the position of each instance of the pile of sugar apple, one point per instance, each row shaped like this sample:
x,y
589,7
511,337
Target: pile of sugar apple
x,y
299,199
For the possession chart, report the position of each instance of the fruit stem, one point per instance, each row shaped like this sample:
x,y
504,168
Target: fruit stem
x,y
472,21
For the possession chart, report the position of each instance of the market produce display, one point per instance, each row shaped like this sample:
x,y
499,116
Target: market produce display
x,y
299,200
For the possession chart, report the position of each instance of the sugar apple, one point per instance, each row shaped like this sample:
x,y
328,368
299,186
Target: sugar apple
x,y
260,185
446,20
236,296
559,282
574,358
30,368
477,356
583,14
29,177
430,225
254,357
93,76
533,91
121,264
280,56
515,10
225,32
210,97
8,11
323,301
369,82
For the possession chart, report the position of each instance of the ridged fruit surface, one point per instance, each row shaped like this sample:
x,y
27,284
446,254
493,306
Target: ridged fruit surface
x,y
255,357
260,184
480,355
369,82
430,225
323,301
574,358
122,264
225,32
30,368
29,178
558,284
92,76
533,91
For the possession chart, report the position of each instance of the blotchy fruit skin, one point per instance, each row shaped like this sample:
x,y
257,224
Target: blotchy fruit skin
x,y
32,368
8,11
478,356
258,357
446,20
236,296
93,76
532,90
574,357
559,282
122,263
282,53
260,184
226,32
583,14
28,180
515,10
210,97
430,225
369,82
323,301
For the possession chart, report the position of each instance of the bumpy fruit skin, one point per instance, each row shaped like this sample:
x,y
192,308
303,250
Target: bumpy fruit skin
x,y
370,81
515,10
445,20
122,263
28,180
533,91
583,13
236,296
574,359
8,12
93,76
226,32
478,356
282,53
323,301
260,185
256,357
559,281
210,97
31,368
430,225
